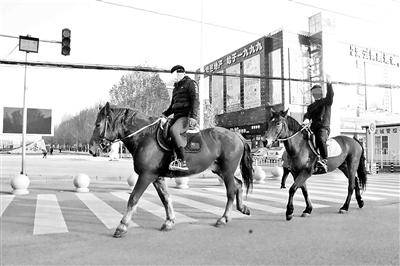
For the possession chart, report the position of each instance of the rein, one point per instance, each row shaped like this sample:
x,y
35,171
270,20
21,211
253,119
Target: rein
x,y
292,136
137,131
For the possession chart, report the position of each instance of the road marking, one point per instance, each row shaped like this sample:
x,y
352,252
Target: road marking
x,y
205,207
365,194
5,200
48,216
155,209
372,188
104,212
268,198
311,196
252,205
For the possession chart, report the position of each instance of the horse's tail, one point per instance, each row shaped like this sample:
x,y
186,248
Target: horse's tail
x,y
246,166
362,170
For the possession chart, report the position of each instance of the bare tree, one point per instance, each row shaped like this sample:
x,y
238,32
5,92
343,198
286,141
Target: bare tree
x,y
142,91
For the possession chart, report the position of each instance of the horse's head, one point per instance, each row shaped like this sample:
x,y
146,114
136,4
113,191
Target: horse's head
x,y
106,130
276,127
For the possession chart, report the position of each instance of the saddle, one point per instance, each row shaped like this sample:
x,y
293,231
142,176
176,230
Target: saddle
x,y
332,145
193,138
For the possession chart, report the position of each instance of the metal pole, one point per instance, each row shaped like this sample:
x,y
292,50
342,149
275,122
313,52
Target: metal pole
x,y
365,87
201,89
24,121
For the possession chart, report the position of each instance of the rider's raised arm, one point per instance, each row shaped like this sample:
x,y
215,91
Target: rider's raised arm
x,y
194,100
329,94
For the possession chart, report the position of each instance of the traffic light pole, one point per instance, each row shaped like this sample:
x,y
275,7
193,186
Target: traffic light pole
x,y
24,121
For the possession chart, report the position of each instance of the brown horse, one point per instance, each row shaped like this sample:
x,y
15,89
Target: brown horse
x,y
302,159
222,151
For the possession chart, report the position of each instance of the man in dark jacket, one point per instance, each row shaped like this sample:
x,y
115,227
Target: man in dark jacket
x,y
319,112
184,106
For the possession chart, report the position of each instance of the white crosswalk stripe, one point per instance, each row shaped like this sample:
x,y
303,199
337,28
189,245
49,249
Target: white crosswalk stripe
x,y
48,216
256,195
5,200
106,214
205,195
154,209
257,206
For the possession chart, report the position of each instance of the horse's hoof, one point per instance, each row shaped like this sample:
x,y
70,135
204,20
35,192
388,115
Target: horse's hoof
x,y
120,233
245,210
167,226
305,214
343,211
283,187
221,222
289,217
360,204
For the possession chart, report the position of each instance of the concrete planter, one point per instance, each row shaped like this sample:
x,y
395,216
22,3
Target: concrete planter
x,y
81,182
20,184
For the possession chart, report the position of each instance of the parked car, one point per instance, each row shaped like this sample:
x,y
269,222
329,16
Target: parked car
x,y
274,153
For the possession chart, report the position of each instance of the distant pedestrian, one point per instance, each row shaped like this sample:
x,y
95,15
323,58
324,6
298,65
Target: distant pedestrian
x,y
44,152
60,150
51,150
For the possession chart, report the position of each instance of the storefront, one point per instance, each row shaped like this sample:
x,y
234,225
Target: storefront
x,y
383,145
244,104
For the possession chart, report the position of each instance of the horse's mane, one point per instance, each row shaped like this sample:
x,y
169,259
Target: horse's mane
x,y
136,115
292,124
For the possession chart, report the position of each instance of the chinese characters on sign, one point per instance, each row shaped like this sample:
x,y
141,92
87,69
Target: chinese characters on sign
x,y
393,130
233,57
374,55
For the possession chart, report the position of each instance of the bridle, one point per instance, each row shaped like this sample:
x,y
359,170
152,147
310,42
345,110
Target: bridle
x,y
305,127
103,146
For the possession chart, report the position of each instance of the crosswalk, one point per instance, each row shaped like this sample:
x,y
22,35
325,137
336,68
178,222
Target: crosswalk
x,y
205,196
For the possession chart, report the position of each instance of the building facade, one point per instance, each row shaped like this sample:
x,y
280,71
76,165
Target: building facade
x,y
291,64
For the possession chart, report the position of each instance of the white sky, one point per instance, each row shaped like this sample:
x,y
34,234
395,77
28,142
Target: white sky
x,y
106,34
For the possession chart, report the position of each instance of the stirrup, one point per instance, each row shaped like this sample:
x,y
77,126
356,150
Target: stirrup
x,y
178,165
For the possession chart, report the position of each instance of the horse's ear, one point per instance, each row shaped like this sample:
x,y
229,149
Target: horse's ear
x,y
100,107
107,108
284,113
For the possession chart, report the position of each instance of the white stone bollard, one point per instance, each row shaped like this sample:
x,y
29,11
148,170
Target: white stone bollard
x,y
132,179
259,175
182,182
81,182
277,172
20,184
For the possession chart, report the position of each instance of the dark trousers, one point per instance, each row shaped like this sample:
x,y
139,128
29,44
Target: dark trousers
x,y
321,136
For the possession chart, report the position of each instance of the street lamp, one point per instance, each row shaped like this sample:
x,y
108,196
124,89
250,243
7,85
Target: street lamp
x,y
20,182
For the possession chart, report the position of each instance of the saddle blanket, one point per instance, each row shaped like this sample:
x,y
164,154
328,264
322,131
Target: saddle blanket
x,y
334,148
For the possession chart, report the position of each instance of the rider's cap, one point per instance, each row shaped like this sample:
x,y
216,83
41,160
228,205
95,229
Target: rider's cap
x,y
178,68
316,87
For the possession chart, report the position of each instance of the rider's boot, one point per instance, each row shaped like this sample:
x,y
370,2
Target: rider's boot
x,y
323,165
179,164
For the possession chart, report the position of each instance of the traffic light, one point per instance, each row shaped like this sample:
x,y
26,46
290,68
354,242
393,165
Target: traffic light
x,y
66,42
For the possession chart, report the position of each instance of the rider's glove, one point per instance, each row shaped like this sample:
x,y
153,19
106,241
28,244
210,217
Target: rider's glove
x,y
306,122
192,122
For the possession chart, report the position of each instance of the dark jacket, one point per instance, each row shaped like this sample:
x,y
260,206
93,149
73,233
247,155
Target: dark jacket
x,y
320,111
185,99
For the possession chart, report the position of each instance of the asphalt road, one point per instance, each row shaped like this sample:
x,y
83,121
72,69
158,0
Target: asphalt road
x,y
368,236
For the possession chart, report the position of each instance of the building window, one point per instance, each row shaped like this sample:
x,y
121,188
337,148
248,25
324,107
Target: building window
x,y
275,70
252,86
217,93
385,144
378,144
233,89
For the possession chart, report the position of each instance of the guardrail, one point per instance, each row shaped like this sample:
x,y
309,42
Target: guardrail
x,y
267,161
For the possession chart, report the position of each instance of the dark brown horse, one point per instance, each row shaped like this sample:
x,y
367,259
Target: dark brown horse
x,y
222,151
302,159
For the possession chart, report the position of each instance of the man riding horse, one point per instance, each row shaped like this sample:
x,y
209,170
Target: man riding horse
x,y
319,112
184,108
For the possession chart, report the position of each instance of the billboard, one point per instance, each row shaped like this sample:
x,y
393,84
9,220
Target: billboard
x,y
39,121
